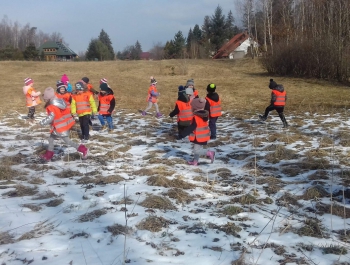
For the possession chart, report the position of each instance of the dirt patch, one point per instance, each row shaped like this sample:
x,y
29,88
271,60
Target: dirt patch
x,y
158,202
153,224
21,190
118,229
68,173
90,216
162,181
179,195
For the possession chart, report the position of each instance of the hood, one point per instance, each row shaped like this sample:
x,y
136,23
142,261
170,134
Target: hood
x,y
183,97
213,96
109,92
201,113
279,88
58,102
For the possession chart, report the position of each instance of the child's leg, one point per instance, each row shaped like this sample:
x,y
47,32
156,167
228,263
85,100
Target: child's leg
x,y
148,107
31,111
212,126
109,121
84,125
101,119
198,150
51,143
70,142
268,109
157,108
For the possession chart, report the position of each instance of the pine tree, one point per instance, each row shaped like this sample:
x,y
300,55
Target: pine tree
x,y
137,50
230,27
97,50
30,53
217,29
190,39
179,44
197,33
104,38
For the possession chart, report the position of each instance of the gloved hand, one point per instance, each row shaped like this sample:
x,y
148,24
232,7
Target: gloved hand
x,y
75,117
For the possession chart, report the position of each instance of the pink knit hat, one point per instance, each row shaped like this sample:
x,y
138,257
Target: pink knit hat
x,y
65,78
28,81
103,80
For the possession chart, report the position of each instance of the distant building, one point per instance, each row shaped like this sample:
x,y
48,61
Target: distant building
x,y
237,47
146,56
56,51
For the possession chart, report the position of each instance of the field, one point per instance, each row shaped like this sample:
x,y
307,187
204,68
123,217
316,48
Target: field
x,y
273,196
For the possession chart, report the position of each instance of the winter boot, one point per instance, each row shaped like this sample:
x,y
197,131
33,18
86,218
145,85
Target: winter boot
x,y
193,163
262,117
82,149
47,156
211,155
283,119
158,115
104,127
143,113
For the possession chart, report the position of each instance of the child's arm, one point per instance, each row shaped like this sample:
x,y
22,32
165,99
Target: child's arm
x,y
93,105
188,130
111,106
73,107
34,93
174,112
49,119
154,94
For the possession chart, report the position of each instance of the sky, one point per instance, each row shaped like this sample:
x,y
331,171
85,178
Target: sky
x,y
125,21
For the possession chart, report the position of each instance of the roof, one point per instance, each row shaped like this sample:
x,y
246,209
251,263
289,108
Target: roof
x,y
231,45
62,49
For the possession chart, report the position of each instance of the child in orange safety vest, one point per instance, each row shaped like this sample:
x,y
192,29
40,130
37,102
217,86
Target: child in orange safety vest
x,y
83,106
198,131
61,121
152,98
213,106
62,93
183,110
32,97
106,106
278,101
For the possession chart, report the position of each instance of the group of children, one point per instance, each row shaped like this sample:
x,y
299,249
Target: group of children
x,y
65,106
196,117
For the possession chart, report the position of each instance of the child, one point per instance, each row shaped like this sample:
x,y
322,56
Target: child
x,y
103,80
106,106
61,121
152,98
65,81
183,110
213,106
83,105
190,85
89,87
278,101
32,97
199,131
62,93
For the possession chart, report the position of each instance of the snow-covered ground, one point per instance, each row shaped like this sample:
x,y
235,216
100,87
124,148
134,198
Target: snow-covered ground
x,y
265,200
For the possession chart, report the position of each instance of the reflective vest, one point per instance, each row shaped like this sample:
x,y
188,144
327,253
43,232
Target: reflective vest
x,y
82,102
215,108
195,92
202,132
151,98
66,97
105,103
30,100
63,120
280,98
185,111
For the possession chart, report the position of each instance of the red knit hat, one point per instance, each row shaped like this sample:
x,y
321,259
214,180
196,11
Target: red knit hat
x,y
28,81
103,80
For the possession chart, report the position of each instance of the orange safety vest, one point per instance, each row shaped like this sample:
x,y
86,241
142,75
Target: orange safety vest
x,y
32,101
185,111
82,102
63,120
215,108
202,132
66,97
195,92
105,103
151,98
280,98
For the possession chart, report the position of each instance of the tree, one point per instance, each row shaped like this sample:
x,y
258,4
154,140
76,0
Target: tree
x,y
157,51
231,29
190,39
104,38
30,53
97,50
217,29
179,44
136,53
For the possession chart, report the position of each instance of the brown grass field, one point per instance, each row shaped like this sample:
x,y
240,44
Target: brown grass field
x,y
242,84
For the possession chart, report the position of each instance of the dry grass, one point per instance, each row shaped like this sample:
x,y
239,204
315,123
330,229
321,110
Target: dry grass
x,y
153,224
90,216
21,190
158,202
44,195
336,209
118,229
32,206
39,230
248,74
6,238
311,227
179,195
176,182
68,173
315,192
280,153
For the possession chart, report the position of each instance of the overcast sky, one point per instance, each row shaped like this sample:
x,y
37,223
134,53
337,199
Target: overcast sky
x,y
125,21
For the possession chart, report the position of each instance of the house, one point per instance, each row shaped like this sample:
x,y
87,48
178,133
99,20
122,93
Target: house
x,y
56,51
146,56
236,48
